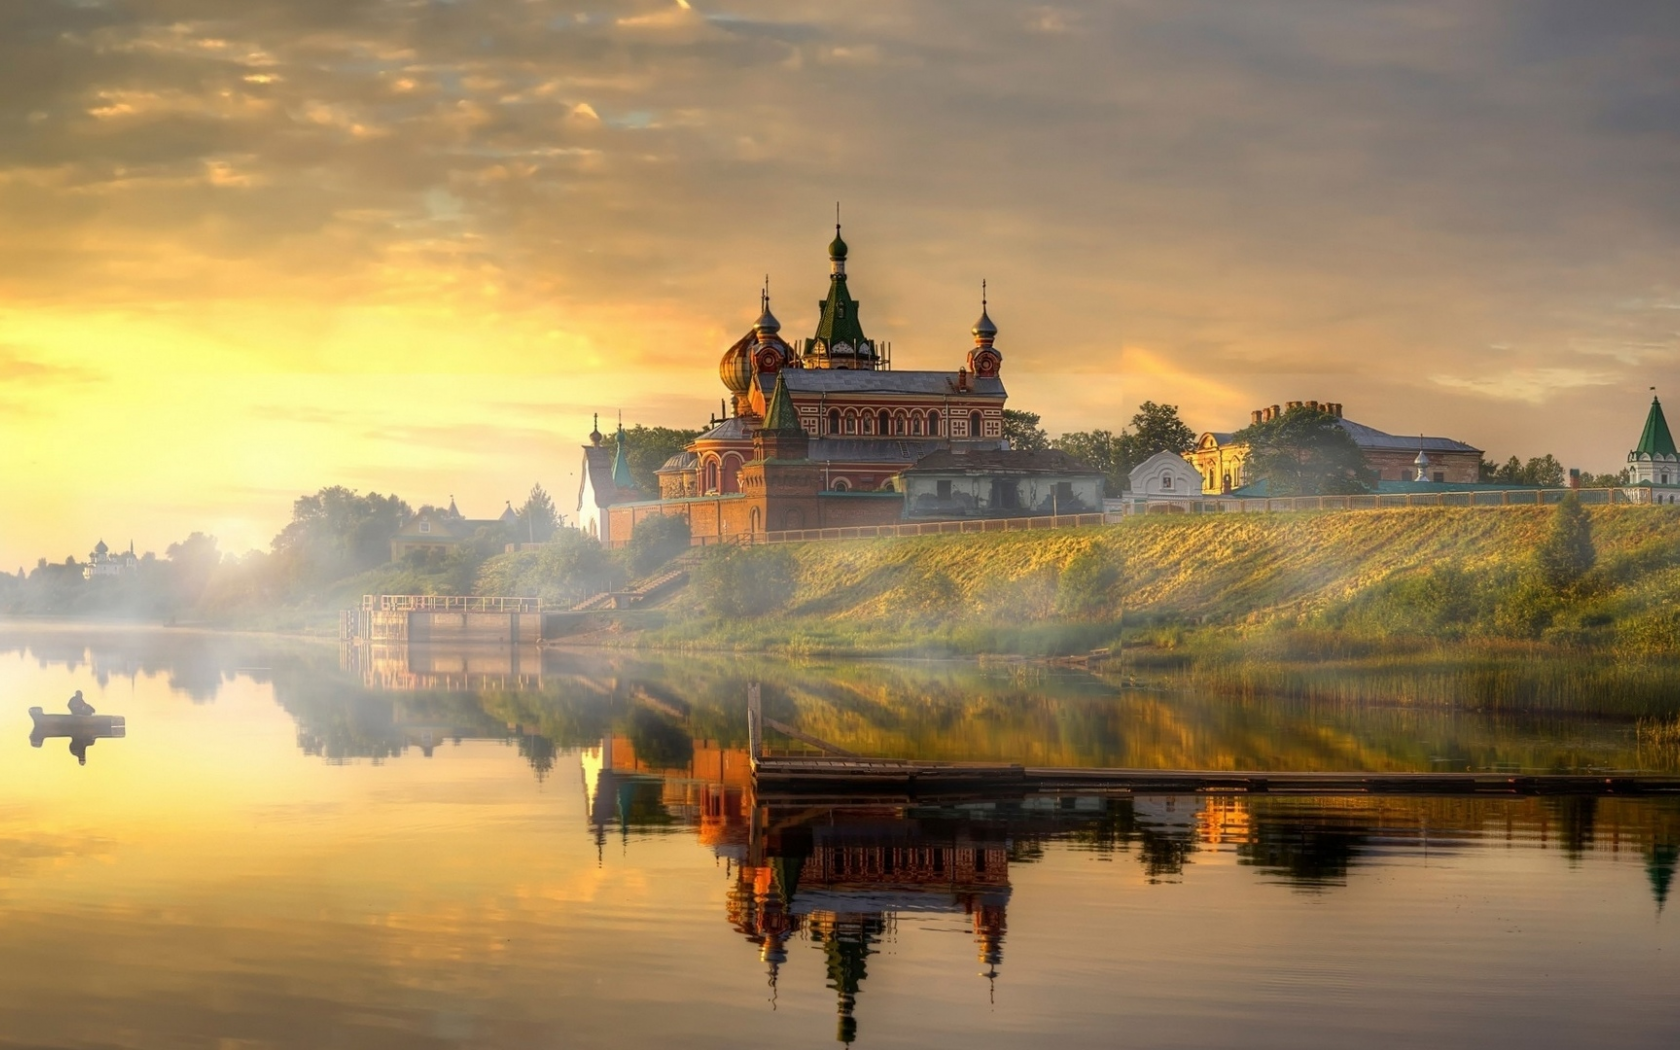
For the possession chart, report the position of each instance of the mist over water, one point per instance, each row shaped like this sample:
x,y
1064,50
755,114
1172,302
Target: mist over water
x,y
499,848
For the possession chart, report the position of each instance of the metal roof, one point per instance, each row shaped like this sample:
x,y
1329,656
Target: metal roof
x,y
879,381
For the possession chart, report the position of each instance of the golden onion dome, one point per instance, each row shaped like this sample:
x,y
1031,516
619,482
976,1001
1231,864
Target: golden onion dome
x,y
736,368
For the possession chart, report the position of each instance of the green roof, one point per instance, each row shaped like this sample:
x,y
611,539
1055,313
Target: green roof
x,y
1656,440
839,322
621,463
781,415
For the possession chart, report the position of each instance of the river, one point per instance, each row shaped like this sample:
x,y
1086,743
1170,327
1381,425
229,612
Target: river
x,y
294,846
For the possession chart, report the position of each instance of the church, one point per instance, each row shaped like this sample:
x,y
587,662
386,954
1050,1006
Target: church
x,y
818,429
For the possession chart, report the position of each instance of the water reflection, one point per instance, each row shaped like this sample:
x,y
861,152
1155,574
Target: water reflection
x,y
839,878
416,852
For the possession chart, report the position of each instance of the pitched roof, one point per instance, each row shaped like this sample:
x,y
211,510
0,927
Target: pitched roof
x,y
1030,461
781,415
1372,438
598,476
879,381
1656,440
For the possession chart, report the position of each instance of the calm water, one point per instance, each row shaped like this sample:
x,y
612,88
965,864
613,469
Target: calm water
x,y
292,849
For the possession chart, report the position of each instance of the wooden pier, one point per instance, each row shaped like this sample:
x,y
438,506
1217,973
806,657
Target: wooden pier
x,y
880,778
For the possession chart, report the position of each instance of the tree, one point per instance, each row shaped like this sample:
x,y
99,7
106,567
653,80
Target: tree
x,y
1100,450
338,532
1022,430
191,564
1304,453
1544,470
647,449
1157,428
1568,553
537,518
1154,428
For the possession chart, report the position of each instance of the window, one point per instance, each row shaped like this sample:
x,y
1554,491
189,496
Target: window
x,y
944,488
933,423
1005,495
840,309
916,423
1166,481
884,422
1439,476
834,421
731,473
974,424
425,526
841,485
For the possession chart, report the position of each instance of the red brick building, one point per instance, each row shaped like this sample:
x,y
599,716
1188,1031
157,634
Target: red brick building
x,y
818,429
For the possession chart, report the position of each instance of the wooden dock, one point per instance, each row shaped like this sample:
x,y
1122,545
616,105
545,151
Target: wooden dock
x,y
906,779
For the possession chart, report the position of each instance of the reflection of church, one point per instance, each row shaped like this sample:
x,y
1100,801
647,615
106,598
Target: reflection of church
x,y
843,882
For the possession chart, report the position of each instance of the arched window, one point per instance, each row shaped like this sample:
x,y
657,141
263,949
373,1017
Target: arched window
x,y
917,422
974,424
901,423
851,422
834,421
731,473
933,423
711,478
884,423
753,522
841,485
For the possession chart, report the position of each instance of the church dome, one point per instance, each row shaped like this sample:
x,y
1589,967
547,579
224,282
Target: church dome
x,y
837,247
736,368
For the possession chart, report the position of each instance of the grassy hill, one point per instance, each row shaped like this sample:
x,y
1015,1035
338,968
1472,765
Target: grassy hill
x,y
1237,599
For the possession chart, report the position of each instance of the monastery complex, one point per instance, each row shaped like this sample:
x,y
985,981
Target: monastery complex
x,y
821,432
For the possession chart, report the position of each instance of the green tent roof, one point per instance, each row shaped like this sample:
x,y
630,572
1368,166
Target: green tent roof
x,y
1656,440
621,463
780,414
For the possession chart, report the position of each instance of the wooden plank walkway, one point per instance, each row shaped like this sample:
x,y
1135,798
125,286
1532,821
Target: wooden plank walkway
x,y
903,778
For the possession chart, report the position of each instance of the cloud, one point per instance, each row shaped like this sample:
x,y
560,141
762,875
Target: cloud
x,y
1534,385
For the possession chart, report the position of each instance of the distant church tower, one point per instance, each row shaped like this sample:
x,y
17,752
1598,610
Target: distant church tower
x,y
1653,464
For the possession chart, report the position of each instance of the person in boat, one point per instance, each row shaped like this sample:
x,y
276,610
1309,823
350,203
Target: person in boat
x,y
79,707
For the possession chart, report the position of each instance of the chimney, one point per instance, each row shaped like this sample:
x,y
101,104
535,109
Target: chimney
x,y
1293,405
1254,417
1276,412
1336,410
1574,477
1313,405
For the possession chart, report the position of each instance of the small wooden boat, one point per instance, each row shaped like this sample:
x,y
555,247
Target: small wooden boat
x,y
77,725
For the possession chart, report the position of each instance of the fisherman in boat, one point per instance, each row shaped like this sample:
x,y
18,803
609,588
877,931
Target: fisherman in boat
x,y
79,707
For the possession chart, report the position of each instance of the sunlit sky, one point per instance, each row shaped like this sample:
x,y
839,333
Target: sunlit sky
x,y
247,250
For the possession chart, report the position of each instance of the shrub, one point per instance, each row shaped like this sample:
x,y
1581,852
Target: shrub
x,y
655,541
569,567
1568,553
745,581
1086,584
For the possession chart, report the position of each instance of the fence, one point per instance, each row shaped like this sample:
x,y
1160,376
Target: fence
x,y
1379,501
912,528
448,603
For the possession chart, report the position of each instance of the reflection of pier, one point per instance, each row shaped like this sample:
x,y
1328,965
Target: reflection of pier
x,y
455,668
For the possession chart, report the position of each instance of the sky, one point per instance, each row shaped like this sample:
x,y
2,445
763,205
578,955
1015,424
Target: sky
x,y
249,250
